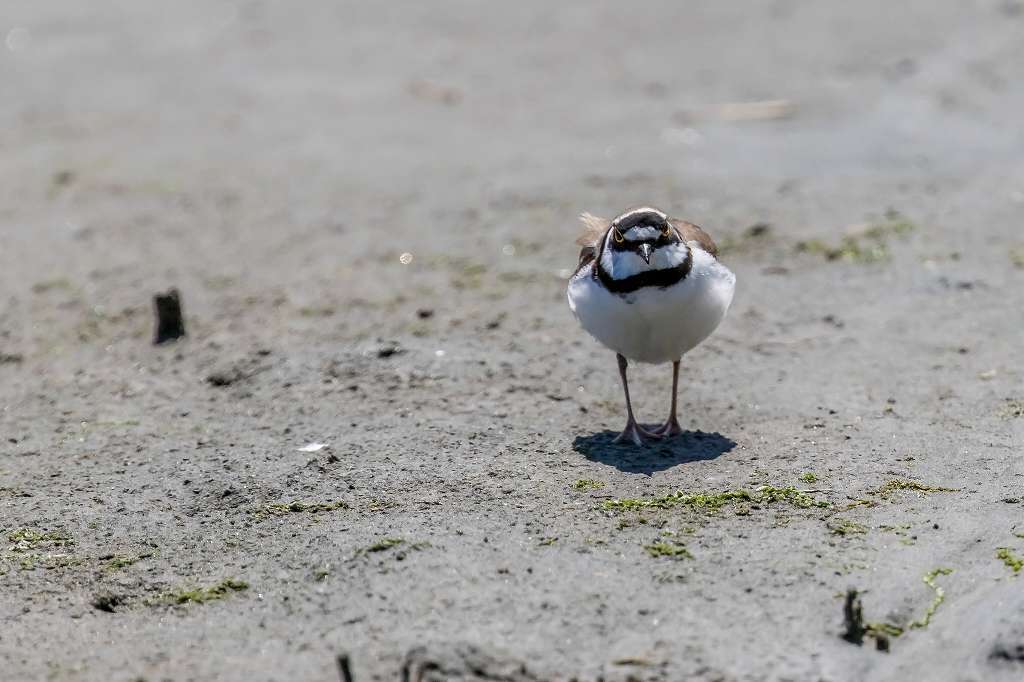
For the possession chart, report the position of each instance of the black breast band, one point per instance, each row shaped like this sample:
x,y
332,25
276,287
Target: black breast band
x,y
649,278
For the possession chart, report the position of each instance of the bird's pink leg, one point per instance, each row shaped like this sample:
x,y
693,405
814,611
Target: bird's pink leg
x,y
671,426
633,431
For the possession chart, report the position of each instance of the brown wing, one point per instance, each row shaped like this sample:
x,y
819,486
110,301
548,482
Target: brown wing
x,y
691,233
587,255
593,229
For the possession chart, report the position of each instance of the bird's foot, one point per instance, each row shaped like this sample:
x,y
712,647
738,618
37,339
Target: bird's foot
x,y
635,434
668,429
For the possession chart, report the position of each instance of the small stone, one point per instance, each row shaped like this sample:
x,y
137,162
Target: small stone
x,y
388,350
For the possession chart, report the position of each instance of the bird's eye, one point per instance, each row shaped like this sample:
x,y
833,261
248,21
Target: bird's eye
x,y
618,237
667,232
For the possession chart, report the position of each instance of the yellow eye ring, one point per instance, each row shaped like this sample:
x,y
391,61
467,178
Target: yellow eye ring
x,y
667,232
618,237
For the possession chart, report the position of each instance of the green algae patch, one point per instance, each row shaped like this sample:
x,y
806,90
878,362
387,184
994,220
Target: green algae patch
x,y
587,484
29,539
382,545
809,477
113,423
714,501
925,620
32,549
1013,409
119,561
317,311
116,562
899,484
60,284
30,561
388,544
796,498
940,596
893,226
849,249
1012,561
877,630
378,505
868,245
1017,257
202,595
706,501
672,550
546,542
847,527
859,503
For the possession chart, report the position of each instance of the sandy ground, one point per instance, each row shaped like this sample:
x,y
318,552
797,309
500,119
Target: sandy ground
x,y
274,161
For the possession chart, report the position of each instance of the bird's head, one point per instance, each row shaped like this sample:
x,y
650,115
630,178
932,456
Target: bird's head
x,y
642,232
640,240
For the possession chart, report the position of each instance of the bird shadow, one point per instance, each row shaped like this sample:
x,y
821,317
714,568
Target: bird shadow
x,y
689,446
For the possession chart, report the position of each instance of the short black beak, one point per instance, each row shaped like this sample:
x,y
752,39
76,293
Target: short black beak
x,y
645,252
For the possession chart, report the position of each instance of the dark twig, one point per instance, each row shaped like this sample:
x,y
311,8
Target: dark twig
x,y
853,618
170,324
344,668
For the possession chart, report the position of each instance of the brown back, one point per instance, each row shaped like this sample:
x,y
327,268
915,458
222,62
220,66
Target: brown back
x,y
594,229
691,233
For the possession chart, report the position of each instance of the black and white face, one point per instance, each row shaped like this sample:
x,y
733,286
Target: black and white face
x,y
641,240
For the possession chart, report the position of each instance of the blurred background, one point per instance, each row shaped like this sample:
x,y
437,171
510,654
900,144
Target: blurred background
x,y
291,146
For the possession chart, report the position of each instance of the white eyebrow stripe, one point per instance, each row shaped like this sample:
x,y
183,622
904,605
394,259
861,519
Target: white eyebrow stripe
x,y
637,211
640,233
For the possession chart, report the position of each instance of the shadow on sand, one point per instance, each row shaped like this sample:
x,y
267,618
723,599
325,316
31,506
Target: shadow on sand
x,y
690,446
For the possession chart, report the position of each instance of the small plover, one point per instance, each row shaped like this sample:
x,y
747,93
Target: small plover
x,y
650,288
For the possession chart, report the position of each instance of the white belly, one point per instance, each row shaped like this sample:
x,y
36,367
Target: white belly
x,y
651,324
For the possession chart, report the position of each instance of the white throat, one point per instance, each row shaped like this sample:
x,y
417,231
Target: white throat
x,y
623,264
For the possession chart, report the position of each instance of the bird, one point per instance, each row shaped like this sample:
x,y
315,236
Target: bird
x,y
650,288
